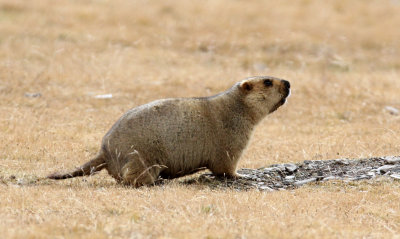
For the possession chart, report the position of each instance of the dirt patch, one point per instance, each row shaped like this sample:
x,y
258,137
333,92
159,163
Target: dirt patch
x,y
290,176
275,177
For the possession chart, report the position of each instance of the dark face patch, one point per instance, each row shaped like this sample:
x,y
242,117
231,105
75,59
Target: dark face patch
x,y
246,86
268,83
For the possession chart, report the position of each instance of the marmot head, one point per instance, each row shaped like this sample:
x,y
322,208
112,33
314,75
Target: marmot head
x,y
264,94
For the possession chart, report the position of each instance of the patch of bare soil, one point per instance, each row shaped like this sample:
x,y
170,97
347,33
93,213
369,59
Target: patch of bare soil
x,y
276,176
291,176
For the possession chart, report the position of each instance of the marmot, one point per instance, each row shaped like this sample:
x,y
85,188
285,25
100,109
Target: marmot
x,y
171,138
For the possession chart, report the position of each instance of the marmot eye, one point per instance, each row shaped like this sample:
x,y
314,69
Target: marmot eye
x,y
268,83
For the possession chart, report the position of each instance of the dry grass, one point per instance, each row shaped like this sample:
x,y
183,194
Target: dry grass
x,y
342,58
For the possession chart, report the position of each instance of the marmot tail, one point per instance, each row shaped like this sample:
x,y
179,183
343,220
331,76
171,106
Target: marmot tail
x,y
89,168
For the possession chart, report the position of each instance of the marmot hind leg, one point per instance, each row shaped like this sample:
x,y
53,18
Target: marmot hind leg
x,y
136,173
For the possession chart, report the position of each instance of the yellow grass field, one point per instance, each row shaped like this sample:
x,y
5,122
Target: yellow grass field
x,y
341,57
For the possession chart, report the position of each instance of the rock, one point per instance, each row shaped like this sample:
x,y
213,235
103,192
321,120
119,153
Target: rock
x,y
289,178
395,176
266,170
302,182
105,96
290,167
33,95
385,168
279,167
342,161
360,177
391,160
266,188
375,170
21,181
331,178
392,110
278,185
396,169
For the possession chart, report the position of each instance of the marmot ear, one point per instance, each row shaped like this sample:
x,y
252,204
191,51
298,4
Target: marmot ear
x,y
246,86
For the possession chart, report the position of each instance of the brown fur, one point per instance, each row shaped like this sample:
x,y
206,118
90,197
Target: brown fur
x,y
175,137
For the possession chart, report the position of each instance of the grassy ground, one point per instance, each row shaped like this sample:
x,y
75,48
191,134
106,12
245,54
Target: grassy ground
x,y
341,57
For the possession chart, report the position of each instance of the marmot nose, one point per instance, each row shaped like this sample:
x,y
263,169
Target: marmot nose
x,y
286,83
